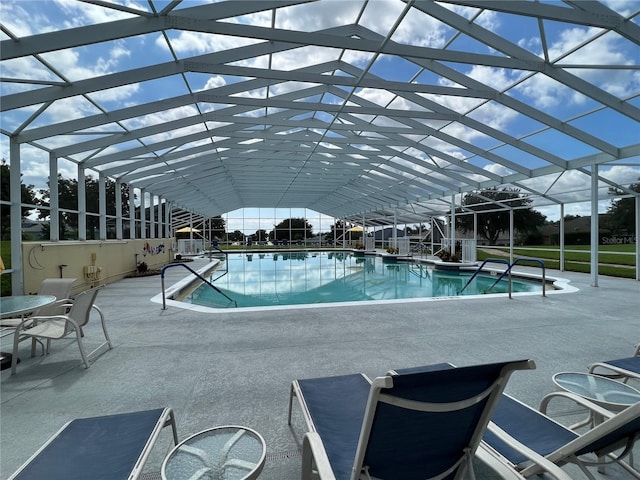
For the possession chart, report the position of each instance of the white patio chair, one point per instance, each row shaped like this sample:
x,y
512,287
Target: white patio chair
x,y
56,327
59,288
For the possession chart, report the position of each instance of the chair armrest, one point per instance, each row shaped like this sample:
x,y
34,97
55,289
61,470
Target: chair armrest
x,y
313,454
48,318
59,307
493,459
544,403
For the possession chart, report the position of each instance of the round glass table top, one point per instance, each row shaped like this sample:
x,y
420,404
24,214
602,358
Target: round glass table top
x,y
18,304
601,390
220,453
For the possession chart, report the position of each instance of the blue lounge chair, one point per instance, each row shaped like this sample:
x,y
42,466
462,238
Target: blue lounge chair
x,y
621,368
531,442
113,447
408,426
530,430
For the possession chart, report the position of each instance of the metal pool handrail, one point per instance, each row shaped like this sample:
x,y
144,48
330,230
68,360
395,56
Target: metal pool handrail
x,y
524,259
226,261
475,274
508,272
164,303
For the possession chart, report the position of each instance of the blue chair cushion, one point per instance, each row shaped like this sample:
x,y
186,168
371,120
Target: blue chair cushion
x,y
98,448
337,406
630,363
426,444
527,426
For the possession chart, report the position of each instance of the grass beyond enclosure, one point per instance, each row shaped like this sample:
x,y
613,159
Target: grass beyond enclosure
x,y
5,280
613,260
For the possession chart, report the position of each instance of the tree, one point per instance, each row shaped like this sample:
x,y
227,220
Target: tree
x,y
27,196
298,228
336,230
621,218
236,236
218,227
260,235
68,200
492,224
416,229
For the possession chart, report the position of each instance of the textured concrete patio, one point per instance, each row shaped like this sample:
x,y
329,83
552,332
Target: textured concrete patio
x,y
236,367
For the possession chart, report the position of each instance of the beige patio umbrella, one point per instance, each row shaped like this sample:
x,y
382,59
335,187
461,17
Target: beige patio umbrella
x,y
188,230
354,229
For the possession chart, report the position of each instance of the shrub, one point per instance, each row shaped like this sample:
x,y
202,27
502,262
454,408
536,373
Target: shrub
x,y
445,256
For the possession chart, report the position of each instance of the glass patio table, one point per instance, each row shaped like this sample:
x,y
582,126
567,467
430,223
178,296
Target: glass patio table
x,y
22,304
228,452
16,306
605,392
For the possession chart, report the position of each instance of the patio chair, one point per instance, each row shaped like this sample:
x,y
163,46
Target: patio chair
x,y
112,447
413,426
57,287
56,327
529,430
620,369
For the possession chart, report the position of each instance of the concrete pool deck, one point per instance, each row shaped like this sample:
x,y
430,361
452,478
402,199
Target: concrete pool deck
x,y
236,368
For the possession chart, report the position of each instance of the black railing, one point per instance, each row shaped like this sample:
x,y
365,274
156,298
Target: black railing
x,y
166,267
507,272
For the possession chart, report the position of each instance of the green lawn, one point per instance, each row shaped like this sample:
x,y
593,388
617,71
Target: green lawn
x,y
614,260
5,280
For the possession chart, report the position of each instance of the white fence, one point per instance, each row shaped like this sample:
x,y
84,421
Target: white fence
x,y
190,247
469,254
369,243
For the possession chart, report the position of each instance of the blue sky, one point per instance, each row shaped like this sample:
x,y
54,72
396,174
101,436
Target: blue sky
x,y
30,17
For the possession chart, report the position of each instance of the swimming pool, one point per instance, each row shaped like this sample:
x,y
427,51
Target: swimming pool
x,y
303,278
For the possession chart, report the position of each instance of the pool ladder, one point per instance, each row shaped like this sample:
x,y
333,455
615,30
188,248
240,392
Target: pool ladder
x,y
164,303
508,272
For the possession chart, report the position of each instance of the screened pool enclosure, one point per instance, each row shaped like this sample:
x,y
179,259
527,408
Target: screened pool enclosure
x,y
377,120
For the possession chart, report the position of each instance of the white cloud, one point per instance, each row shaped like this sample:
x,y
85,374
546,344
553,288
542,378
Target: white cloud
x,y
623,7
69,109
608,49
78,14
186,43
316,16
498,169
117,94
215,81
573,188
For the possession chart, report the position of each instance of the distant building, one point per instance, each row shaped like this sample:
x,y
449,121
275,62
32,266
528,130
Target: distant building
x,y
577,231
387,233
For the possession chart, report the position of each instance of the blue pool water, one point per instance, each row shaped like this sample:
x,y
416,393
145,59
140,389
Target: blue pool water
x,y
296,278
